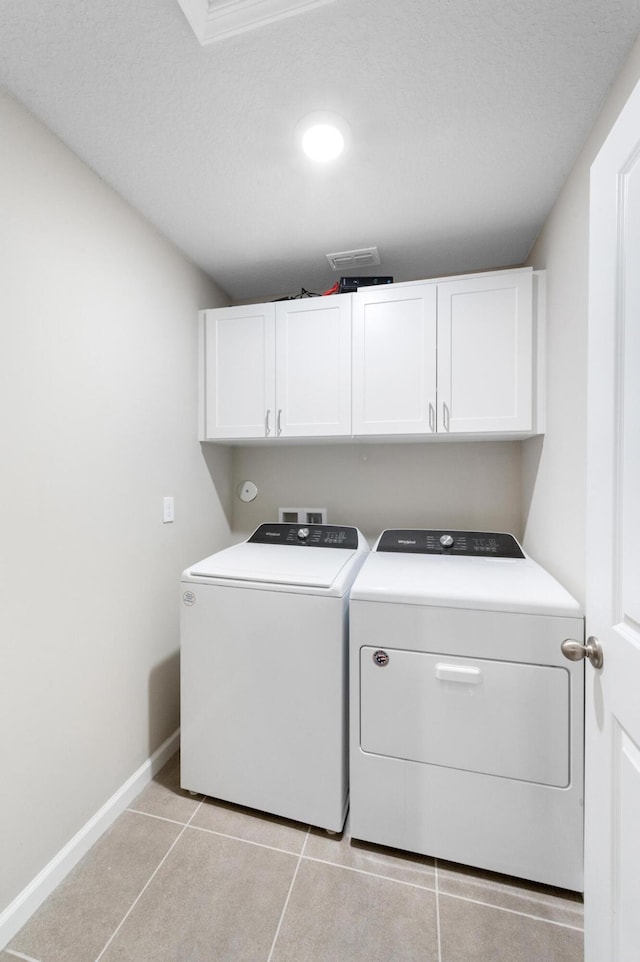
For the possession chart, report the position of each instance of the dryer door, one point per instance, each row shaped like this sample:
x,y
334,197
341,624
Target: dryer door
x,y
493,717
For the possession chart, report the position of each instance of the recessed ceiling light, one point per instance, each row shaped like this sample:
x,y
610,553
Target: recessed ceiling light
x,y
322,142
322,136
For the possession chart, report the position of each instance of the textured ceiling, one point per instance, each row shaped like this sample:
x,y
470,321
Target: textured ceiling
x,y
465,115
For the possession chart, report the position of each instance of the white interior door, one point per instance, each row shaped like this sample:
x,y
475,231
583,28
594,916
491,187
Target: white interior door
x,y
612,806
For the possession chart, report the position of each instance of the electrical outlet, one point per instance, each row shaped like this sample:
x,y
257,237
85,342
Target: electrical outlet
x,y
302,515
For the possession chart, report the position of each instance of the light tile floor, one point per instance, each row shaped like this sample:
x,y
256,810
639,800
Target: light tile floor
x,y
186,879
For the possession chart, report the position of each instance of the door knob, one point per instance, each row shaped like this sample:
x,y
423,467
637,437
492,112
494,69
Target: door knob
x,y
575,651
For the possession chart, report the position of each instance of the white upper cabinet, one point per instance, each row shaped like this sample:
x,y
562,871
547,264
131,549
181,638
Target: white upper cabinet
x,y
277,370
313,367
394,360
238,349
453,357
485,354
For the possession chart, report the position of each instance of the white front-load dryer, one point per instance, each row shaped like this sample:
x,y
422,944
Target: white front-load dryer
x,y
466,718
264,671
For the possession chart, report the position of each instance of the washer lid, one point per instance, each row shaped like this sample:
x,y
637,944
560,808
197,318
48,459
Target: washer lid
x,y
479,583
321,566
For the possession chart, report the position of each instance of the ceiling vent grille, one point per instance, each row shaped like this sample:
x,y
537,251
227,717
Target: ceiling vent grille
x,y
217,19
349,260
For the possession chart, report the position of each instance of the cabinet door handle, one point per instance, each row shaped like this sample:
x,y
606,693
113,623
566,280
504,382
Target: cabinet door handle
x,y
278,428
432,418
267,429
445,416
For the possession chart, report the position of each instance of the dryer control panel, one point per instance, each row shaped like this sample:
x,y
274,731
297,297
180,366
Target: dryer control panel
x,y
478,544
314,535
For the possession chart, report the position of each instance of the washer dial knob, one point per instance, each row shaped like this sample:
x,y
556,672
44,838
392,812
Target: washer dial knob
x,y
303,533
446,540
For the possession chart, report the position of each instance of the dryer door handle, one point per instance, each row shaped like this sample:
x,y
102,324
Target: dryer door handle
x,y
459,673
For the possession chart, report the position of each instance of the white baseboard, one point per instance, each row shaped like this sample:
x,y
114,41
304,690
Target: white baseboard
x,y
24,905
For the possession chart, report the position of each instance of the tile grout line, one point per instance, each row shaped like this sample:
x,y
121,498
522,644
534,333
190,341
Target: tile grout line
x,y
362,871
524,915
438,936
286,901
213,831
449,895
349,868
146,885
246,841
20,955
359,871
159,818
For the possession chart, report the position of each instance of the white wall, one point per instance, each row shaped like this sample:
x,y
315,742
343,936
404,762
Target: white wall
x,y
554,470
98,399
376,486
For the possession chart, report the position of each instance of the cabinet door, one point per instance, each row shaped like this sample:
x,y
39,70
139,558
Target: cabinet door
x,y
485,353
238,348
313,367
394,372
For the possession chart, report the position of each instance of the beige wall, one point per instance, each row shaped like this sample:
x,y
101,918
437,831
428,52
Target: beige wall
x,y
98,395
376,486
554,470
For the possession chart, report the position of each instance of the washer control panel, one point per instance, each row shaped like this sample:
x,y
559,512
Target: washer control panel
x,y
314,535
474,544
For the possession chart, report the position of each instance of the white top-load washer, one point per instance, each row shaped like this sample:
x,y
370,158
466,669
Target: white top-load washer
x,y
264,658
466,718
